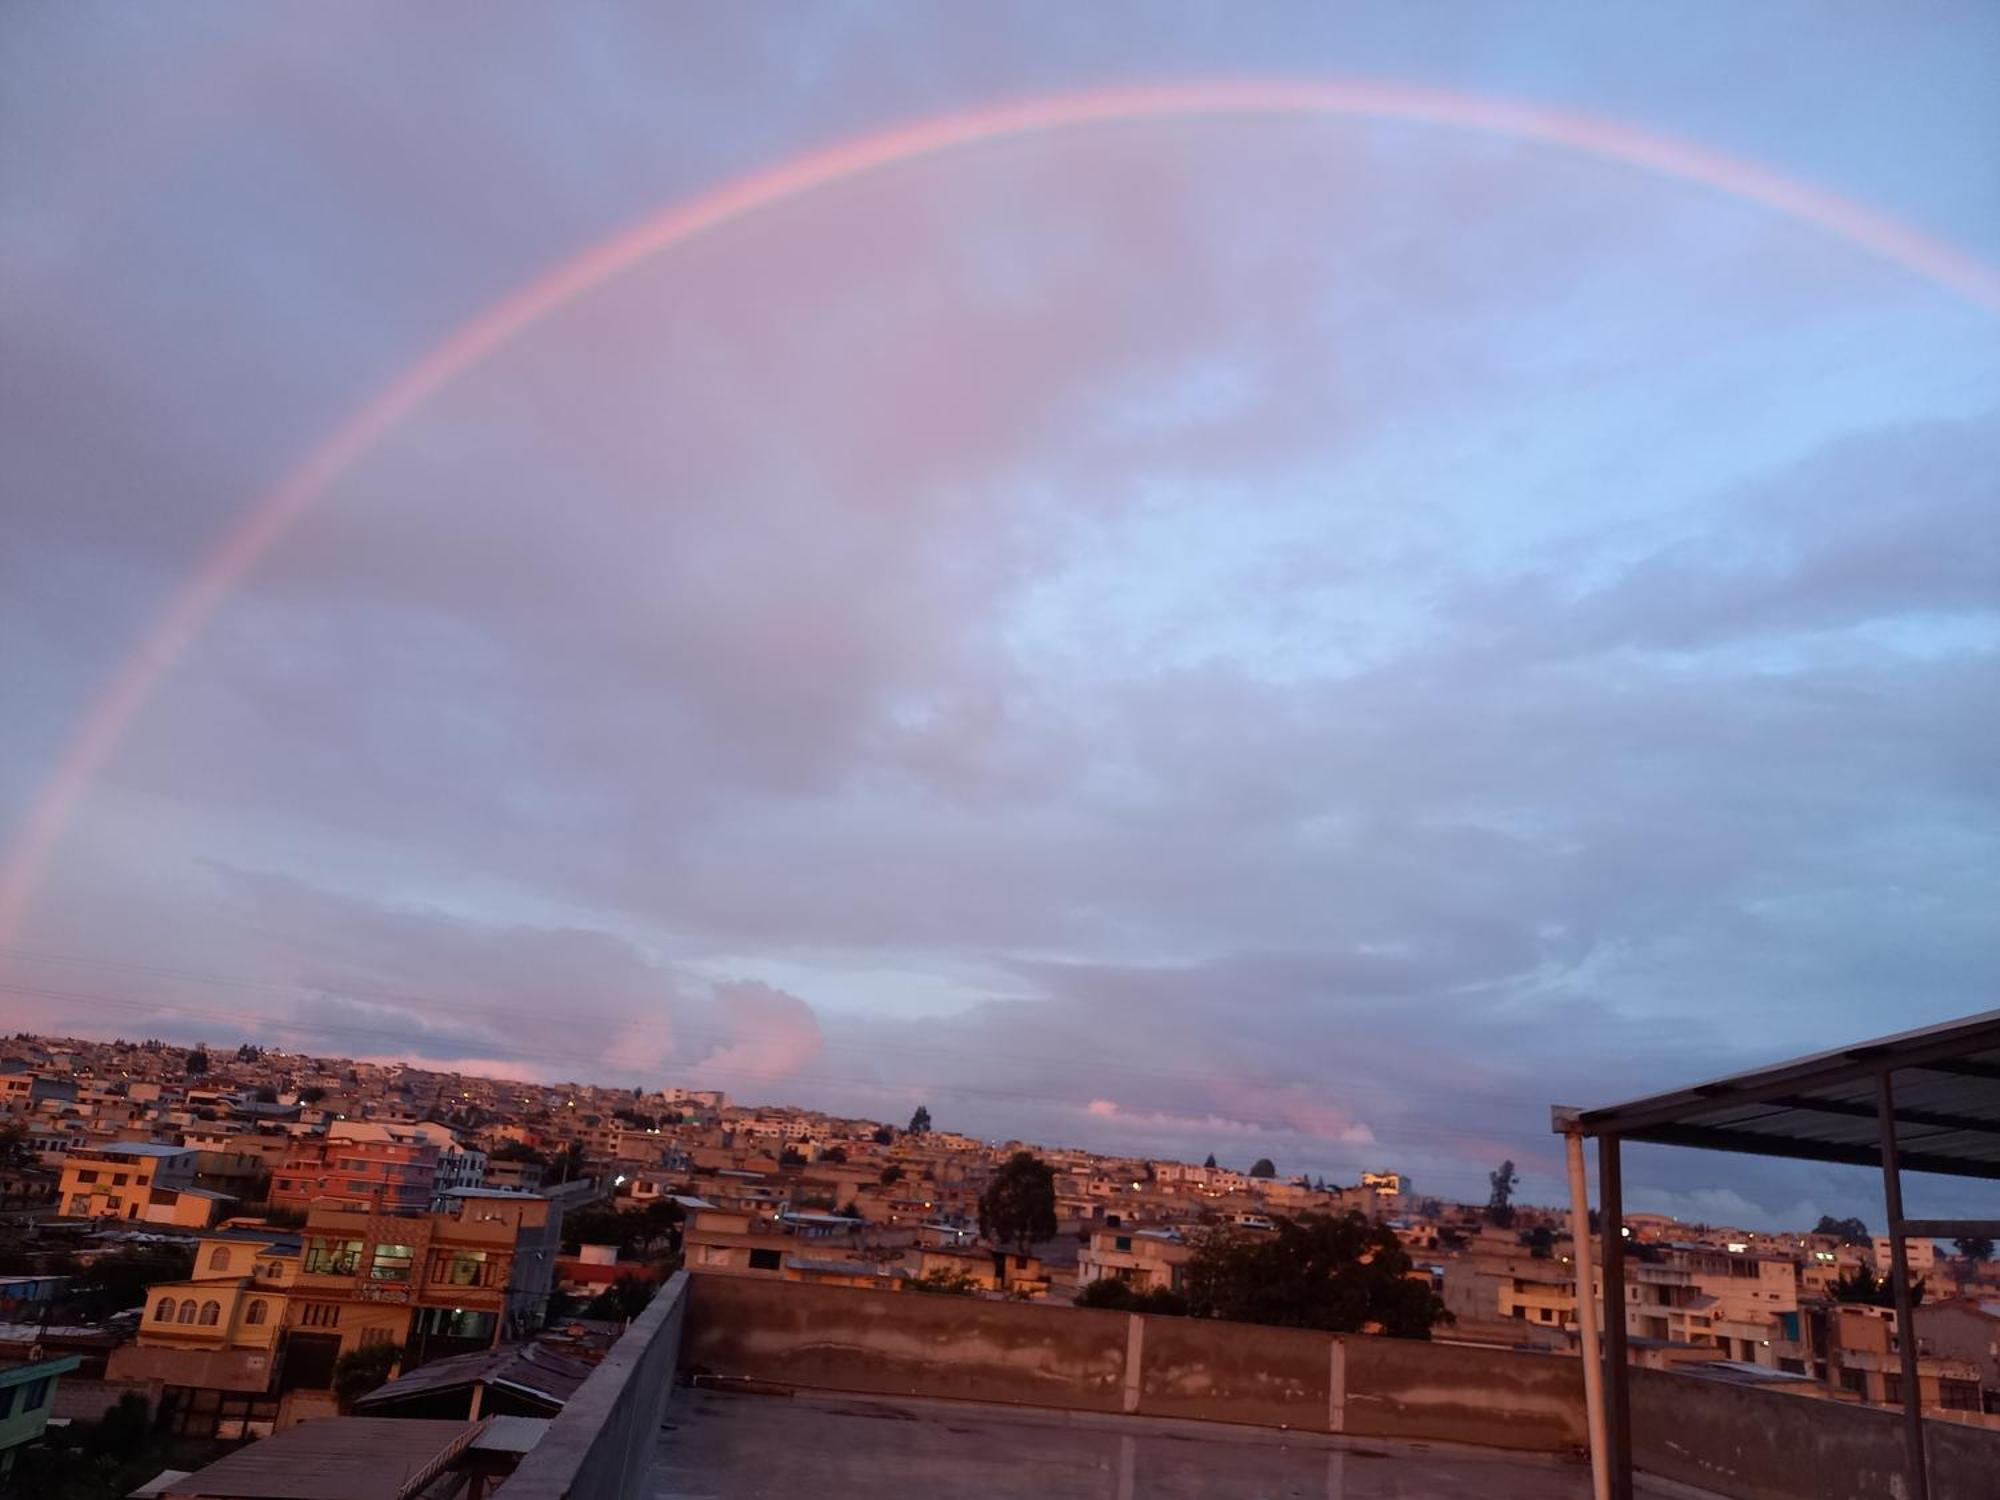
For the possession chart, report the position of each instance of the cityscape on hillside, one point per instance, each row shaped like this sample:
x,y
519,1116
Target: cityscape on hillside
x,y
253,1238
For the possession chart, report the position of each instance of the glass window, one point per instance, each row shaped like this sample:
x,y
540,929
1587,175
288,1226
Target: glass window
x,y
7,1394
211,1314
218,1259
392,1263
37,1394
254,1314
86,1175
164,1313
333,1257
466,1268
187,1311
765,1260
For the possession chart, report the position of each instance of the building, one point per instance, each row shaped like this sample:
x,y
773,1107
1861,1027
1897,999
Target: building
x,y
1967,1329
212,1341
357,1458
1144,1259
141,1180
1384,1184
364,1166
27,1395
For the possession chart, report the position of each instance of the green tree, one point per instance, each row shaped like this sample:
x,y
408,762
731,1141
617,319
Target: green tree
x,y
1337,1273
195,1063
920,1122
891,1175
885,1135
943,1283
1263,1167
1975,1247
1847,1231
1500,1203
1541,1241
1019,1204
1210,1163
311,1094
359,1371
16,1155
835,1154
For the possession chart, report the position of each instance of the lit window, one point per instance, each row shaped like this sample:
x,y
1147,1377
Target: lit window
x,y
391,1263
333,1257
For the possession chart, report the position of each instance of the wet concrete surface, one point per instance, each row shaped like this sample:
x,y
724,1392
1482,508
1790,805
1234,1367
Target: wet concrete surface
x,y
732,1446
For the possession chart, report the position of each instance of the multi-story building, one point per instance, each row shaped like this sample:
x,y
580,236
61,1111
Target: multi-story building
x,y
27,1395
362,1165
1144,1259
141,1180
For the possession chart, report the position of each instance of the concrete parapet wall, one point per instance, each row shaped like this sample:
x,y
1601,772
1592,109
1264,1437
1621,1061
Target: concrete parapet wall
x,y
849,1339
1779,1445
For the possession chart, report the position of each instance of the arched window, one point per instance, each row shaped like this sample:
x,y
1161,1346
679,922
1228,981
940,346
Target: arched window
x,y
255,1313
218,1258
211,1314
187,1312
164,1313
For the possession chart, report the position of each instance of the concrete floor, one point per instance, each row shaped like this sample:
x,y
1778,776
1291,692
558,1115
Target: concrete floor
x,y
730,1446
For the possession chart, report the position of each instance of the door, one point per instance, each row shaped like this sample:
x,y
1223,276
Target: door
x,y
308,1361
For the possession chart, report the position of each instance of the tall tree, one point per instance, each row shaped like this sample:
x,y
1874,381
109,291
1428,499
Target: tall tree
x,y
1847,1231
1019,1204
920,1122
1263,1166
1210,1163
1338,1273
1975,1247
1500,1203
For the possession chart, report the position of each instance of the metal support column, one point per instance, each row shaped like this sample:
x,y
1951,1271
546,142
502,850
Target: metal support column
x,y
1899,1270
1618,1378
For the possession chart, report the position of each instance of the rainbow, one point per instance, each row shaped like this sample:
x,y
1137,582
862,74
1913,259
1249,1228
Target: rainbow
x,y
112,712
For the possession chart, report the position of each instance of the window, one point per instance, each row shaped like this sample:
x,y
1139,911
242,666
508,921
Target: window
x,y
1855,1381
466,1268
7,1401
376,1336
79,1205
1123,1242
119,1179
211,1314
218,1259
37,1394
187,1311
164,1312
1892,1390
392,1263
766,1260
86,1175
254,1314
333,1257
1958,1395
320,1315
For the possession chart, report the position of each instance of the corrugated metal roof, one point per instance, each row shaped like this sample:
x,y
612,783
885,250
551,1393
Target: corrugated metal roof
x,y
340,1458
1945,1079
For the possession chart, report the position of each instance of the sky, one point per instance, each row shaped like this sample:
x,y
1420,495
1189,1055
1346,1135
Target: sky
x,y
1309,636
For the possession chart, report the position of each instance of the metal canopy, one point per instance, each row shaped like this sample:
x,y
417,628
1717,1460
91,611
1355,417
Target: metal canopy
x,y
1824,1108
1926,1101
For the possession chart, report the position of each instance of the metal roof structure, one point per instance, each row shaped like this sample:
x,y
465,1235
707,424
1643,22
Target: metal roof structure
x,y
1926,1101
1824,1107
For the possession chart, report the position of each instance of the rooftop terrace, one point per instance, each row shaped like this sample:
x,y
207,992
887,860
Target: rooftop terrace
x,y
752,1446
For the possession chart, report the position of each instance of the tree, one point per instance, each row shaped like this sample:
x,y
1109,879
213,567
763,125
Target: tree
x,y
1975,1247
118,1281
1111,1293
891,1175
16,1155
1847,1231
1864,1286
1263,1166
265,1094
196,1063
835,1154
791,1156
1500,1203
569,1162
1336,1273
361,1370
247,1053
850,1210
519,1151
920,1122
1019,1204
1541,1241
1210,1163
885,1135
311,1094
943,1283
622,1301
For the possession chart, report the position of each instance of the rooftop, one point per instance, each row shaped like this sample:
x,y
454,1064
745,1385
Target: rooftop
x,y
750,1447
355,1458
